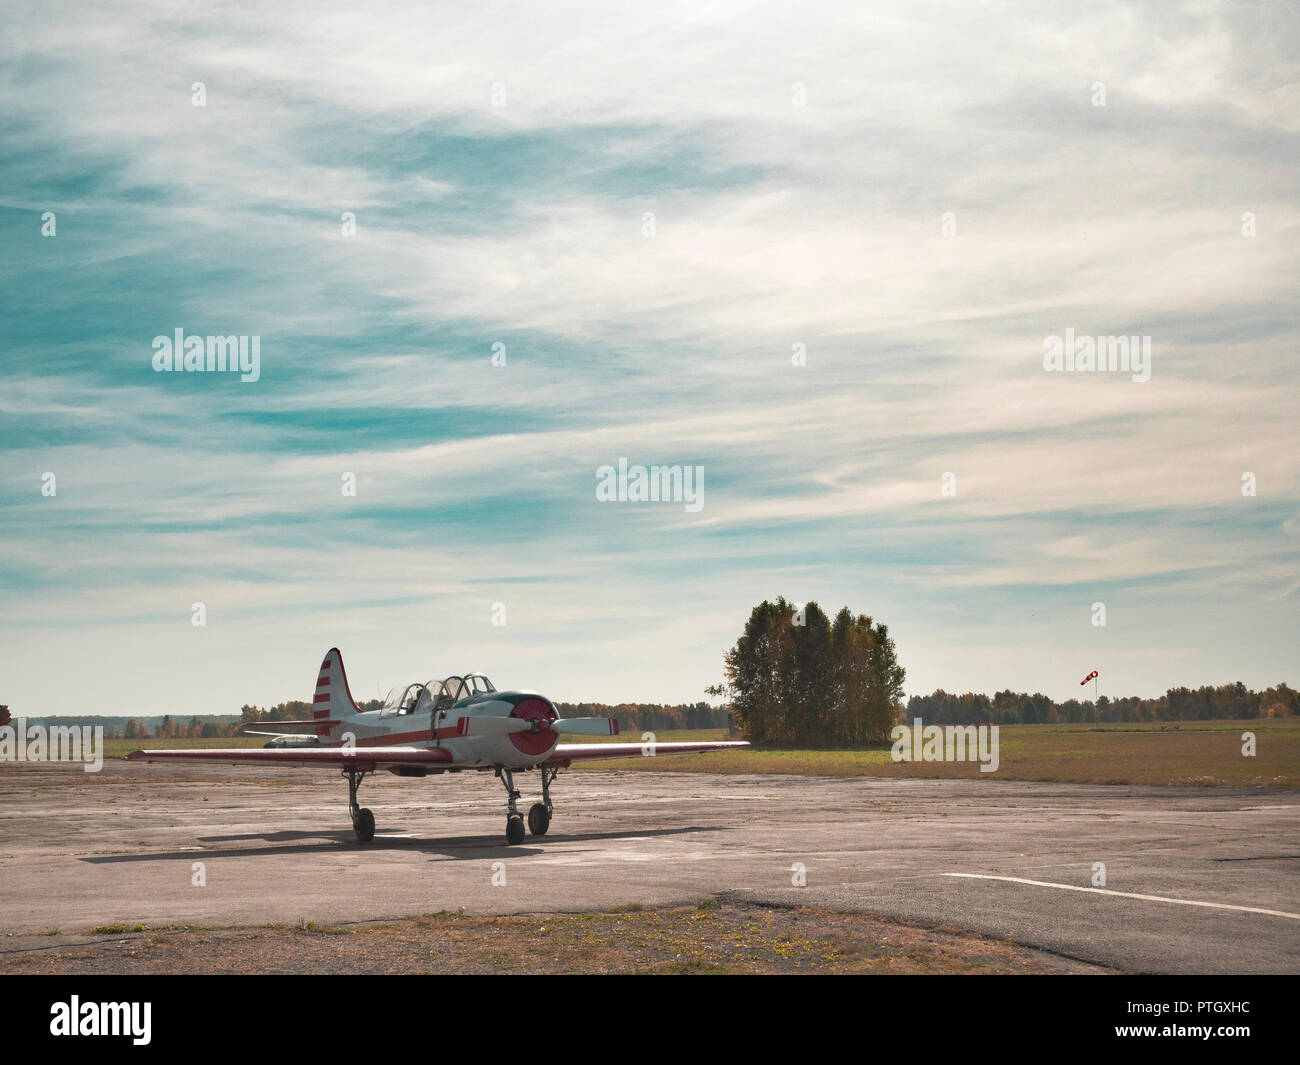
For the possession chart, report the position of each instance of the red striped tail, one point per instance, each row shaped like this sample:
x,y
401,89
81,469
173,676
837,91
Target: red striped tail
x,y
333,699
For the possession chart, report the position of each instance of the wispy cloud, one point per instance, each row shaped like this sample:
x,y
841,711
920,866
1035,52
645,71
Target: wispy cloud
x,y
795,167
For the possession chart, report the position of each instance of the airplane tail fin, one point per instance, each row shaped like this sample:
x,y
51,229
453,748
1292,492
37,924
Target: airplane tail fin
x,y
333,700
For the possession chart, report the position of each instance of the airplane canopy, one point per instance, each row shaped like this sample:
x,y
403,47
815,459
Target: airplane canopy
x,y
436,694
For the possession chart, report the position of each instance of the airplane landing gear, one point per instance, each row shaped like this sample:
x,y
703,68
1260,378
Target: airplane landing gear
x,y
514,821
363,821
514,830
539,820
539,817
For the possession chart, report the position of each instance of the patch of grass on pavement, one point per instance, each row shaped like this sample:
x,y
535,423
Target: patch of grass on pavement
x,y
715,937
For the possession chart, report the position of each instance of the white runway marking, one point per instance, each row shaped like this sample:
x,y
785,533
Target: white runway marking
x,y
1127,894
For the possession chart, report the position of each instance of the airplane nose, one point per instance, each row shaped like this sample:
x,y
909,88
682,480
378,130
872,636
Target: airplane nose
x,y
534,709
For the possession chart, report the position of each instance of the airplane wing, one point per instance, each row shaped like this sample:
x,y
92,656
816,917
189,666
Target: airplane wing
x,y
361,759
279,735
567,753
367,759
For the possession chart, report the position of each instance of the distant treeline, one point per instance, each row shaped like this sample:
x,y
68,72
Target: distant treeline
x,y
133,728
631,717
293,710
1206,703
651,716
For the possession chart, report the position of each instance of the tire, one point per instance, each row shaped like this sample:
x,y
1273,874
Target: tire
x,y
539,819
515,830
364,826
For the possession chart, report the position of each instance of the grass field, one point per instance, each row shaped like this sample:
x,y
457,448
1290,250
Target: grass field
x,y
1195,753
121,748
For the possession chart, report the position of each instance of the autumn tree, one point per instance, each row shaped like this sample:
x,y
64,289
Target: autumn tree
x,y
798,679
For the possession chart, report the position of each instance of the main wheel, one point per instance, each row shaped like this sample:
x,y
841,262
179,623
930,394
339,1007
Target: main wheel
x,y
539,819
364,826
515,829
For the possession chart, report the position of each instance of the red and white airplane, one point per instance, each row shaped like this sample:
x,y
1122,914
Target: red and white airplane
x,y
444,726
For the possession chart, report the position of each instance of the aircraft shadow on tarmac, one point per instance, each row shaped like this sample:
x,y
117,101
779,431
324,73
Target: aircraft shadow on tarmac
x,y
464,848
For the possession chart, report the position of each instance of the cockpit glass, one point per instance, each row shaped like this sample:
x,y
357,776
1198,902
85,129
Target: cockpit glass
x,y
402,700
428,697
435,695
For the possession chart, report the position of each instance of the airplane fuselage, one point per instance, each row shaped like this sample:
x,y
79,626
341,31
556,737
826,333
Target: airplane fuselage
x,y
442,728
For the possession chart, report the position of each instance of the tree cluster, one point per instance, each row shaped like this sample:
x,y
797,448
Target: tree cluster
x,y
798,678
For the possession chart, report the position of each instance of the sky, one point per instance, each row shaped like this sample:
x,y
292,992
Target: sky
x,y
816,251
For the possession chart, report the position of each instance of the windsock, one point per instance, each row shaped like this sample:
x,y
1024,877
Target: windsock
x,y
1087,678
